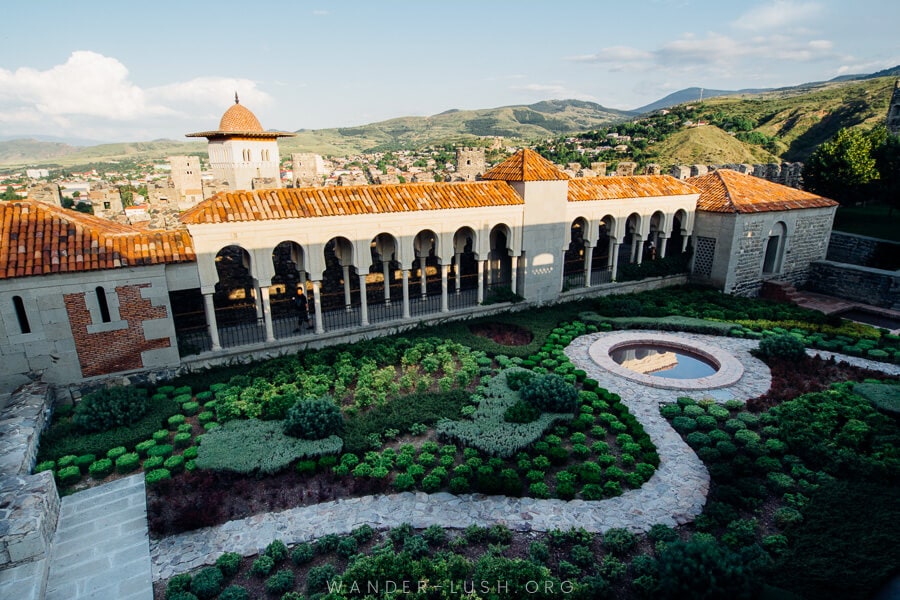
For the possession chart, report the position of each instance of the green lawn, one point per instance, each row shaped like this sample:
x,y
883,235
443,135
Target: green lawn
x,y
871,220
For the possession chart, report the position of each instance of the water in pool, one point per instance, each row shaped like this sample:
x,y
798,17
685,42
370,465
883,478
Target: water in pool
x,y
663,361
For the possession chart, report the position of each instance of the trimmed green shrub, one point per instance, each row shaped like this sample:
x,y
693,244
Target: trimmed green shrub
x,y
783,347
110,408
207,416
182,440
101,468
619,541
176,421
277,551
262,566
128,462
161,450
177,584
207,583
550,393
115,453
302,554
317,578
190,453
68,475
84,462
175,464
47,465
157,475
699,569
280,582
229,563
234,592
144,446
314,419
190,408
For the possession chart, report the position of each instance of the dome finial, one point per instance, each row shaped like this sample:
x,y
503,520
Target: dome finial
x,y
236,100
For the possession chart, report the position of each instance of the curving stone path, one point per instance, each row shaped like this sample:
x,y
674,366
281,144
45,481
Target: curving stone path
x,y
674,495
857,361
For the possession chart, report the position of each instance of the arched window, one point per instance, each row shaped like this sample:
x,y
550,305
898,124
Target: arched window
x,y
21,315
104,306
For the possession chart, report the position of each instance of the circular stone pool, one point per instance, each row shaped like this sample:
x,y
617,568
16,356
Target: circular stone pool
x,y
659,360
666,361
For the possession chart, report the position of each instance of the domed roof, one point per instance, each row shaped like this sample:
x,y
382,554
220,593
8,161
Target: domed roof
x,y
238,118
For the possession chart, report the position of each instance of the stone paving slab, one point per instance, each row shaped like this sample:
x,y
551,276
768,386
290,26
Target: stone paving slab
x,y
27,581
101,547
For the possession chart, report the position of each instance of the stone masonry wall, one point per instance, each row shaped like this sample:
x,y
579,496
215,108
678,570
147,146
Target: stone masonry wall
x,y
859,249
852,282
118,350
747,257
29,504
807,243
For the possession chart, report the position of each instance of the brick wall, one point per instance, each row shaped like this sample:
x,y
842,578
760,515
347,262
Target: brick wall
x,y
113,351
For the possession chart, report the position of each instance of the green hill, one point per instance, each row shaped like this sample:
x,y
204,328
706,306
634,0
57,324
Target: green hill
x,y
708,145
536,121
800,118
33,152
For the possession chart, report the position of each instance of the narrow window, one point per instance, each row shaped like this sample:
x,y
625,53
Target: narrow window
x,y
101,302
771,254
24,327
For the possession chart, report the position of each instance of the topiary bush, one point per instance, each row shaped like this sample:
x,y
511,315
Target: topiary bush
x,y
234,592
550,393
68,475
128,462
207,583
702,569
782,347
302,554
110,408
229,563
280,583
619,541
101,468
314,419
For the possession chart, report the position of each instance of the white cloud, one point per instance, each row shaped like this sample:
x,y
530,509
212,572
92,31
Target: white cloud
x,y
86,84
554,91
92,95
616,54
780,14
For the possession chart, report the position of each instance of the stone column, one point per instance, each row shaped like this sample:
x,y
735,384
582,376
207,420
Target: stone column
x,y
614,268
513,274
661,243
209,308
387,281
613,251
317,304
588,263
445,303
257,301
423,276
458,273
302,283
267,314
405,293
684,242
640,253
347,301
562,270
635,246
480,281
364,302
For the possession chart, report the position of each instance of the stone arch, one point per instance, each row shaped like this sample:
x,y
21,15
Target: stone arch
x,y
573,259
605,238
427,277
465,259
499,257
289,266
235,291
340,285
382,284
773,255
678,235
632,240
656,232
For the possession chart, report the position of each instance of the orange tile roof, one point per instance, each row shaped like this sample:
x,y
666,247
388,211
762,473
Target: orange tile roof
x,y
726,191
636,186
300,203
40,239
525,165
239,121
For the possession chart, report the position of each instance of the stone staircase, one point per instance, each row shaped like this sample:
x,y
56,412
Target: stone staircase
x,y
779,290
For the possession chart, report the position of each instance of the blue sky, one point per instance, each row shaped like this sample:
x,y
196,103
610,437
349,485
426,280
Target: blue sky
x,y
124,71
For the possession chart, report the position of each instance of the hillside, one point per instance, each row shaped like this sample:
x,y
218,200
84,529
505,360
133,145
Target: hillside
x,y
799,119
34,152
708,145
541,120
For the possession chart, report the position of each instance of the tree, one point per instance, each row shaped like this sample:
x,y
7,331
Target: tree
x,y
9,194
842,167
887,159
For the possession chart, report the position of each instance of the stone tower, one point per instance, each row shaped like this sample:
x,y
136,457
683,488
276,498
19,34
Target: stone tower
x,y
241,152
469,163
893,116
307,168
185,174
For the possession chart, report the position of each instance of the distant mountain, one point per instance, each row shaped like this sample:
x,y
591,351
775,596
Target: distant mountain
x,y
24,151
34,152
549,118
708,146
692,94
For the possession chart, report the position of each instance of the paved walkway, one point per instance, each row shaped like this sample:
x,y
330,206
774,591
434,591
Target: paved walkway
x,y
674,495
100,550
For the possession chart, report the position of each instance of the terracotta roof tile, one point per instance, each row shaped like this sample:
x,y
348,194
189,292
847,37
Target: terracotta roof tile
x,y
291,203
525,165
636,186
239,121
38,239
726,191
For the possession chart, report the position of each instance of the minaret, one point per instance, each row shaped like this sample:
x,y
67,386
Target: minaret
x,y
241,152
